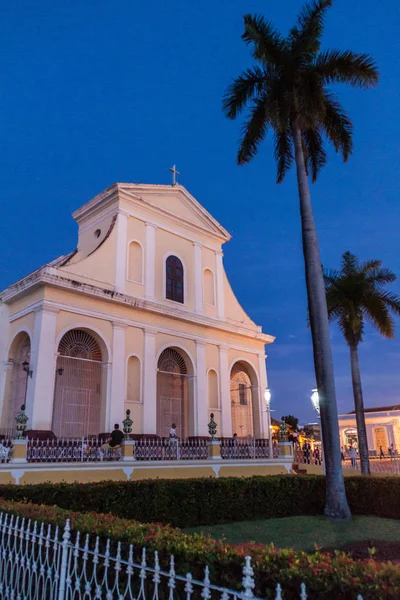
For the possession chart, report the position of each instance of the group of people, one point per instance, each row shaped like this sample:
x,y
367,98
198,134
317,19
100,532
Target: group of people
x,y
310,455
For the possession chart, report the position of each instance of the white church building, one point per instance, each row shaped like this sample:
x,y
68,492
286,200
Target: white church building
x,y
140,316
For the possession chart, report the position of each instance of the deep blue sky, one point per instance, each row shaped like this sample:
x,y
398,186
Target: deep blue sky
x,y
94,92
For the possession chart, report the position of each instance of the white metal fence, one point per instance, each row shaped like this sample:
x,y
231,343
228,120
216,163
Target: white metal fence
x,y
70,450
89,450
38,562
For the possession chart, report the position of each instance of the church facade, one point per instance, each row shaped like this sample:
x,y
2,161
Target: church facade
x,y
140,316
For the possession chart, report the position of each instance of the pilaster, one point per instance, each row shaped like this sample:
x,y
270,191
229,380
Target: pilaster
x,y
201,397
225,392
116,404
121,252
198,277
264,411
40,390
220,285
150,257
149,382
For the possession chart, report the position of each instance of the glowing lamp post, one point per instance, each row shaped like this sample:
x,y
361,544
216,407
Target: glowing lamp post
x,y
317,408
315,400
267,398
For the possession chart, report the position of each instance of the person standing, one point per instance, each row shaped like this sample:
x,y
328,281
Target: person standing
x,y
353,456
381,453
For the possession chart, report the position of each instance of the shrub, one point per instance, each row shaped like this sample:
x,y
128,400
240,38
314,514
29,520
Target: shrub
x,y
193,502
325,575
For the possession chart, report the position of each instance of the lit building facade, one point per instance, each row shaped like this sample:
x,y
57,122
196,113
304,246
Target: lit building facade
x,y
140,316
383,428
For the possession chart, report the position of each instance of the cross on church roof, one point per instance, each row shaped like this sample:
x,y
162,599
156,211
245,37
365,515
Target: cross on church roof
x,y
174,174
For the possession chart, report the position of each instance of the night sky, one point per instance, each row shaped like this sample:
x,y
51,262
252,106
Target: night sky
x,y
95,92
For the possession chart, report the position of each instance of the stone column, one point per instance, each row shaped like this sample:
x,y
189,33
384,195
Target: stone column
x,y
5,391
225,427
40,391
149,382
121,251
4,342
264,413
150,258
220,286
201,396
198,277
117,400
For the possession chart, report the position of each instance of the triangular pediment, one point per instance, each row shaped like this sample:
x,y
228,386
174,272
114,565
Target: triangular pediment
x,y
175,201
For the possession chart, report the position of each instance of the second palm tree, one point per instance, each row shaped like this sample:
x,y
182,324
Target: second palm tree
x,y
354,295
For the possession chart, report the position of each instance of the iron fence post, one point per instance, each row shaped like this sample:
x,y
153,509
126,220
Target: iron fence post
x,y
64,560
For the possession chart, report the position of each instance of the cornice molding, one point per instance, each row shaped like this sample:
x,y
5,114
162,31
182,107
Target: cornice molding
x,y
49,278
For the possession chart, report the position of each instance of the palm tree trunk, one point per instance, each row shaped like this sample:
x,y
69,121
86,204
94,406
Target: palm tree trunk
x,y
359,406
336,505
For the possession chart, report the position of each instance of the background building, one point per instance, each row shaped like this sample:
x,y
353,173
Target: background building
x,y
383,428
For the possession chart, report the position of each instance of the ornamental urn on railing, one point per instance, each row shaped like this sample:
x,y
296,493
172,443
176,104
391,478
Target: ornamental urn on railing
x,y
127,423
212,427
283,433
21,420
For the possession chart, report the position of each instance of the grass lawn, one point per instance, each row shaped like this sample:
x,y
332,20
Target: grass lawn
x,y
304,533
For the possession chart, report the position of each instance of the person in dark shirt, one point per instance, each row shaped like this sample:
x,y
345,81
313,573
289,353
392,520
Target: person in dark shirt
x,y
115,440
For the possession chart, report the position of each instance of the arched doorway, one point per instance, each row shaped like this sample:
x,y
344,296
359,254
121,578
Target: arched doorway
x,y
78,385
242,400
174,393
17,380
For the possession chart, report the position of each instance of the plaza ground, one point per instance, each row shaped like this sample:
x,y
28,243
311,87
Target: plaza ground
x,y
306,533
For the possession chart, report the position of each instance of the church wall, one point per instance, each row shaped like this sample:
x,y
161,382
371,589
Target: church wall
x,y
26,322
87,240
164,340
99,266
166,244
27,300
166,223
233,310
110,310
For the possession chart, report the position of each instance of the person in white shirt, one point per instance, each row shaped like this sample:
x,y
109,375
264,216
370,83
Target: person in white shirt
x,y
173,438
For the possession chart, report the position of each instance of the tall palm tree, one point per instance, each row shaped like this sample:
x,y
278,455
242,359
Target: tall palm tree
x,y
286,92
356,294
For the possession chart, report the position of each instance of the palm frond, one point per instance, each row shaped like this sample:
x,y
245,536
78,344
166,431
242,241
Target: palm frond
x,y
370,266
317,157
376,311
349,263
305,37
254,131
381,277
337,66
243,89
337,125
268,42
283,152
392,301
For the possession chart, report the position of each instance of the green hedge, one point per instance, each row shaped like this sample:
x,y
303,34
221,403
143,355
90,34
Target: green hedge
x,y
193,502
326,576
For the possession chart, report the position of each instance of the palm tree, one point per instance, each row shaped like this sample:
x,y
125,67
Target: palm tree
x,y
286,92
354,295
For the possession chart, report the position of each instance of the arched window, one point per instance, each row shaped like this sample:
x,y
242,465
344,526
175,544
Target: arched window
x,y
133,380
209,296
242,400
213,389
135,263
174,279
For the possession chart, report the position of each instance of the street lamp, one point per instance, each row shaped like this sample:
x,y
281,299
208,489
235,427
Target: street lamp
x,y
317,408
315,401
267,398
